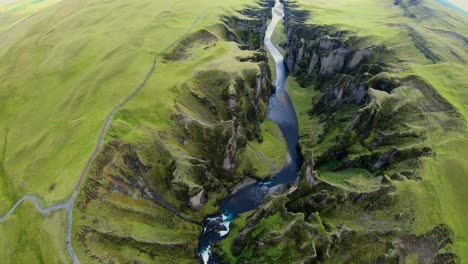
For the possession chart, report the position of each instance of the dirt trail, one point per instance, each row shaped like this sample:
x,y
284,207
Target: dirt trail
x,y
69,204
36,204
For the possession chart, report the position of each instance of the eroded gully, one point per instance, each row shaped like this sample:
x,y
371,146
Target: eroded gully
x,y
280,111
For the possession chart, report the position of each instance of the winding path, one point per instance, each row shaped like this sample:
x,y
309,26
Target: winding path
x,y
69,204
36,204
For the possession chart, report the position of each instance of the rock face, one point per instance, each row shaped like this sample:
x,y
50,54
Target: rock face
x,y
199,200
333,62
250,32
237,102
344,201
161,179
359,57
316,52
355,91
273,235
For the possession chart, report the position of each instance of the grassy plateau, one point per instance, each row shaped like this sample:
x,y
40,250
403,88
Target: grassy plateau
x,y
429,40
64,66
382,124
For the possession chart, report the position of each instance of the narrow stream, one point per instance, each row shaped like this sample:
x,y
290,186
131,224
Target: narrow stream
x,y
281,111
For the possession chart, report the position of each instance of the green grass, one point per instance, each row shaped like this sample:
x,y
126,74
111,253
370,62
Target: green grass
x,y
27,236
441,196
235,227
302,101
284,237
450,80
353,179
64,65
135,221
266,158
64,69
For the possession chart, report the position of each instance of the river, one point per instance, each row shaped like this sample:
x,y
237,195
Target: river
x,y
280,111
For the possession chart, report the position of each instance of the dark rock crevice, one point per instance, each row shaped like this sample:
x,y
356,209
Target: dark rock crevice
x,y
187,170
365,128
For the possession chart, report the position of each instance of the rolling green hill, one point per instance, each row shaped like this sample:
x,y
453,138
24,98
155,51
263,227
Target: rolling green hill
x,y
415,34
375,85
66,65
178,92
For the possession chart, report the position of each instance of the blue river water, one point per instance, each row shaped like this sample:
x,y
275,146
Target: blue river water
x,y
281,111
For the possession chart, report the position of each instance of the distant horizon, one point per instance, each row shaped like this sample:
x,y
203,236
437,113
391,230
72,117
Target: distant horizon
x,y
463,4
460,3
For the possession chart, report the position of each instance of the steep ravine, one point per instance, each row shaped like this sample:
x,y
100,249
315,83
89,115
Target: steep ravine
x,y
366,135
69,204
148,192
250,196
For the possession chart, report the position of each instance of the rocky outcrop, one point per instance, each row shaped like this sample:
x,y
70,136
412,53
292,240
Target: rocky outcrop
x,y
382,139
230,160
344,195
266,232
250,32
300,219
384,82
161,176
199,200
237,104
315,52
355,87
333,62
429,247
342,89
359,57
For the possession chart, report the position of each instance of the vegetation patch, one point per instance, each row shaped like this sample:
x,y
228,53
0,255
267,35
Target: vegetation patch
x,y
369,117
168,162
202,39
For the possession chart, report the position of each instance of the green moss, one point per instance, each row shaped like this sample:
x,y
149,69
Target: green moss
x,y
235,227
274,235
411,35
302,100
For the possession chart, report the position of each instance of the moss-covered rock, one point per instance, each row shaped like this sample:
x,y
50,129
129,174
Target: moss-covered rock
x,y
166,182
371,136
274,235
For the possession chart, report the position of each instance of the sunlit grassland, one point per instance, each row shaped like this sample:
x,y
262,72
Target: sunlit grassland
x,y
64,69
47,245
150,114
13,12
64,65
441,196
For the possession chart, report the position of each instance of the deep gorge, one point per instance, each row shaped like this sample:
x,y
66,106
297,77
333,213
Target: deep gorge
x,y
251,131
249,196
344,196
345,207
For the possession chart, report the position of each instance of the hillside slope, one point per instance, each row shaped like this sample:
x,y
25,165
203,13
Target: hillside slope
x,y
380,90
69,72
178,92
